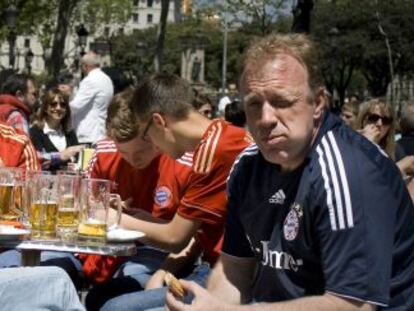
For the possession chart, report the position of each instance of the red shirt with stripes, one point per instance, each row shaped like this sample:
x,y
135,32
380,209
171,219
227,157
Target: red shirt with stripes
x,y
205,198
16,149
156,189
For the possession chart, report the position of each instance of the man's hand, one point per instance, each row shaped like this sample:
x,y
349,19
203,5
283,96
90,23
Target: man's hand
x,y
156,280
406,165
203,300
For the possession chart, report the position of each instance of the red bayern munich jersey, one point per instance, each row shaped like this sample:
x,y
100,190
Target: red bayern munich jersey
x,y
205,199
16,149
156,189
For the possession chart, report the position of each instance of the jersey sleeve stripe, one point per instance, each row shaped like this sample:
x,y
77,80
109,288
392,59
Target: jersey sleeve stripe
x,y
344,179
327,189
205,152
335,182
214,147
248,151
201,208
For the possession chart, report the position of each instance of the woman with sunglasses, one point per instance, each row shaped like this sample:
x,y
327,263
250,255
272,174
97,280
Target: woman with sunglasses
x,y
51,132
376,121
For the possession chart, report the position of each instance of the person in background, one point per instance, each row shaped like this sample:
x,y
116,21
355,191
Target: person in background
x,y
91,101
406,143
16,149
18,97
235,114
319,219
227,98
52,133
349,113
203,104
376,121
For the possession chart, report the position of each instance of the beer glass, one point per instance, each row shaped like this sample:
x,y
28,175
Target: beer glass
x,y
44,205
68,206
95,203
11,193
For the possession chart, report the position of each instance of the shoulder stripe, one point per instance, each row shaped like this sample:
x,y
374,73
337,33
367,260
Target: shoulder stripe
x,y
344,179
205,155
334,176
186,163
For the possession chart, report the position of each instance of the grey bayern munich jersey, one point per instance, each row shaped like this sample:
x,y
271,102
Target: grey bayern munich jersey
x,y
341,223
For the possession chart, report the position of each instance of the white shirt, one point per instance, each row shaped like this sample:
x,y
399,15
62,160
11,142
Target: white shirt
x,y
57,137
90,105
224,101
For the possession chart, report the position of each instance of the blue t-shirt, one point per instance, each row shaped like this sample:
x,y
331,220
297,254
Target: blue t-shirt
x,y
343,222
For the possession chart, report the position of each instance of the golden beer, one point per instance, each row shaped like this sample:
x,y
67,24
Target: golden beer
x,y
42,217
92,230
11,201
67,217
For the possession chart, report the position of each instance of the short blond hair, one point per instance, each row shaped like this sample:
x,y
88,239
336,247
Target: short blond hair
x,y
121,124
270,47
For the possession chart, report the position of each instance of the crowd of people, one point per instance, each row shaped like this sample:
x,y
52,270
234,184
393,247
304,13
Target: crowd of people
x,y
275,204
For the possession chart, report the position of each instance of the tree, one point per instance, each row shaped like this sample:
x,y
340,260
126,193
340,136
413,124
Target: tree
x,y
162,28
302,16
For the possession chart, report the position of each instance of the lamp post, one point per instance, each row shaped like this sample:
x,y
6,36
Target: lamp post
x,y
141,47
11,15
224,68
82,33
28,58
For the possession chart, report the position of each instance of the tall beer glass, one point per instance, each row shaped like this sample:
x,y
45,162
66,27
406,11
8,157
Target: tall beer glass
x,y
95,204
68,206
11,193
44,205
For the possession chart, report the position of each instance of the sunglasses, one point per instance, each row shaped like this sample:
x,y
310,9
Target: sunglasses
x,y
144,135
373,118
56,103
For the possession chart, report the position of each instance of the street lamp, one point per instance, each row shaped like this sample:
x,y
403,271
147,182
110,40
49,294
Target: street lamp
x,y
28,58
11,17
82,33
141,48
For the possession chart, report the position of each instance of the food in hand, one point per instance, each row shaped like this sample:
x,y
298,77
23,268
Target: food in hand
x,y
174,285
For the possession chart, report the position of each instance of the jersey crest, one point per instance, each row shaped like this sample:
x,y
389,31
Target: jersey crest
x,y
163,196
292,221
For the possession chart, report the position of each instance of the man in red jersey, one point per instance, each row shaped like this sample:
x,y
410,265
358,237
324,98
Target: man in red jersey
x,y
150,185
166,118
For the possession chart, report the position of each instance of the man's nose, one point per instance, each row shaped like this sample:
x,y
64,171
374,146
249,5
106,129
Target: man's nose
x,y
269,113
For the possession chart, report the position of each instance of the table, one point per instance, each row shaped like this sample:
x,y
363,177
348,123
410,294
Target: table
x,y
31,248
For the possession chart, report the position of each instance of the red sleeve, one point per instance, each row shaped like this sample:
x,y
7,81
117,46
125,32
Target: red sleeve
x,y
205,198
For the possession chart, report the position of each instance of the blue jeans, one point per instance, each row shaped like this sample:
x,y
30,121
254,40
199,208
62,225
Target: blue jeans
x,y
154,298
37,289
66,261
130,277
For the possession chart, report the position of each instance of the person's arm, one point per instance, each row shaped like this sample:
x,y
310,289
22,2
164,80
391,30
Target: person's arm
x,y
84,96
172,236
205,301
174,263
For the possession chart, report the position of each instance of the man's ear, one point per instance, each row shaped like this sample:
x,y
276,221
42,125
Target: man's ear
x,y
320,102
159,120
19,94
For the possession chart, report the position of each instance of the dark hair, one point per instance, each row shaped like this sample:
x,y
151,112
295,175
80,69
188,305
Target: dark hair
x,y
164,93
47,99
200,100
234,113
121,124
15,83
407,118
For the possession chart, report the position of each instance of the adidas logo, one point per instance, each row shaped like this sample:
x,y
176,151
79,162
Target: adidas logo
x,y
278,197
